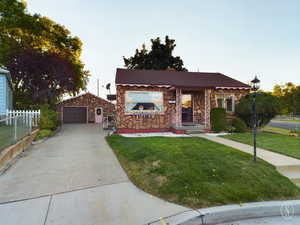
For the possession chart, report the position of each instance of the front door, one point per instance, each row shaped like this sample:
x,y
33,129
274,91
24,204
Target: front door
x,y
98,115
187,108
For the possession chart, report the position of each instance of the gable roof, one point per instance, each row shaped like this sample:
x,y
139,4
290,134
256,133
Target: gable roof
x,y
176,79
83,94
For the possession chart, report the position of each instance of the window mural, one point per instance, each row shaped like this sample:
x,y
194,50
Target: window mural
x,y
143,102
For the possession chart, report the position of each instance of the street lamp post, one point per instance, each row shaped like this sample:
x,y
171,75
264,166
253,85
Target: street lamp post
x,y
255,86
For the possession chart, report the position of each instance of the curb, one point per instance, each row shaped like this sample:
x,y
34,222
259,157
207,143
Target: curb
x,y
231,213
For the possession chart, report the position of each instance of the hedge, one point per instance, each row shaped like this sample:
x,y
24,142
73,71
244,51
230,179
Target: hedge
x,y
218,119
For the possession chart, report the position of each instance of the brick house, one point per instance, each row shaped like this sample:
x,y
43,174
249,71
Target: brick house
x,y
84,108
158,101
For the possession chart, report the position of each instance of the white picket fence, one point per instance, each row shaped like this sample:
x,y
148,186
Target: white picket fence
x,y
30,117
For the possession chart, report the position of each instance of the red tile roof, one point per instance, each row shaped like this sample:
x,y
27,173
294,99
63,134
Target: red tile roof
x,y
177,79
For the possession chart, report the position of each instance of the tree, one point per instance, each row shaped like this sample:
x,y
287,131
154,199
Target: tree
x,y
277,90
288,97
267,107
291,100
47,77
158,58
23,35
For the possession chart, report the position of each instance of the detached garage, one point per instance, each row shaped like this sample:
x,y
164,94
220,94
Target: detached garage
x,y
85,108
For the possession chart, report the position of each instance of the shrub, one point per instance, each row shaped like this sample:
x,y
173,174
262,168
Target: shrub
x,y
267,107
43,133
49,118
239,125
218,119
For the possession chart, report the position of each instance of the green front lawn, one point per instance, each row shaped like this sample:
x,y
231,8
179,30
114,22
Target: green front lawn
x,y
198,173
279,143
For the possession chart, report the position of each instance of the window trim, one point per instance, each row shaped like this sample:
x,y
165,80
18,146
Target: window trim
x,y
224,97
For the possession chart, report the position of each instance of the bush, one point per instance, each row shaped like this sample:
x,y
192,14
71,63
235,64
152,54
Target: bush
x,y
43,133
267,107
239,125
48,119
218,119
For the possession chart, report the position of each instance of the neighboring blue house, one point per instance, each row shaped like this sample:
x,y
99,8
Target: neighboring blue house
x,y
5,91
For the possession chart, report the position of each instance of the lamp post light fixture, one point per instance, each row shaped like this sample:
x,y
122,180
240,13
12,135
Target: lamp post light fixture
x,y
255,86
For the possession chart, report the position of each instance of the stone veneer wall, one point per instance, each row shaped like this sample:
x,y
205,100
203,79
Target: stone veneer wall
x,y
92,102
238,93
202,112
159,122
198,106
163,122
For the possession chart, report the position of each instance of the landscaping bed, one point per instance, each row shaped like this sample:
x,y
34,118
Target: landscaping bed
x,y
283,144
197,173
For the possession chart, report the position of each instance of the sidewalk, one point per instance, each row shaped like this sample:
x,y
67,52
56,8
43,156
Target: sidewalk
x,y
287,166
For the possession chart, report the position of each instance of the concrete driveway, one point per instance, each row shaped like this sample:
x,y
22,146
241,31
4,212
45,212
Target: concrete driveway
x,y
74,178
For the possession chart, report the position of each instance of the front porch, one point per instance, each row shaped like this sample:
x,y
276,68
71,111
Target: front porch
x,y
192,109
192,128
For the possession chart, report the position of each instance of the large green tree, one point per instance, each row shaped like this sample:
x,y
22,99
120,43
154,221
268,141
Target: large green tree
x,y
289,97
159,57
267,107
21,33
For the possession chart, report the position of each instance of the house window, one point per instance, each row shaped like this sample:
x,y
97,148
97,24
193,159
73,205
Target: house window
x,y
143,102
229,104
225,101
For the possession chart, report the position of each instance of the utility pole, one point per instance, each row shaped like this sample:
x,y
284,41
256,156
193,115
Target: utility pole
x,y
98,81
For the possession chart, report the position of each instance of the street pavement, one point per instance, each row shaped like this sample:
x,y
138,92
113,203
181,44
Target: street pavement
x,y
285,125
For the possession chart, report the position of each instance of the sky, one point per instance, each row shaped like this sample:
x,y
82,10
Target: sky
x,y
238,38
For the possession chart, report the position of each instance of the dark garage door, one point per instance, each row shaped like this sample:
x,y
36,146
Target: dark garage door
x,y
74,114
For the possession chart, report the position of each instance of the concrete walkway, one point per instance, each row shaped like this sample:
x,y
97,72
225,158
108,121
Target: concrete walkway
x,y
74,178
287,166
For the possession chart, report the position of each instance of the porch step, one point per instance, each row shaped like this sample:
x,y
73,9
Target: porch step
x,y
191,128
198,131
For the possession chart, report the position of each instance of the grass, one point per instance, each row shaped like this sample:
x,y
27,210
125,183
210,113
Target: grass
x,y
197,173
279,143
276,130
6,136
